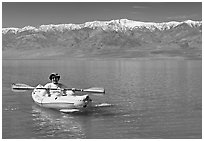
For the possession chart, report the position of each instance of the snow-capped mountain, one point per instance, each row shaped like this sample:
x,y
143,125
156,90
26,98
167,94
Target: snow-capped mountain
x,y
104,37
117,25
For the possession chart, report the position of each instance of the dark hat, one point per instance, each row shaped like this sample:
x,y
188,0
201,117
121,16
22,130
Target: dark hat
x,y
54,75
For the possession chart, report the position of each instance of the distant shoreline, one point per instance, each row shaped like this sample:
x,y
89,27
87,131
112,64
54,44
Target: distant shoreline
x,y
141,55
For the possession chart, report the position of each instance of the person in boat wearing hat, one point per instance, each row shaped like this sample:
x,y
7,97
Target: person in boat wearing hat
x,y
55,77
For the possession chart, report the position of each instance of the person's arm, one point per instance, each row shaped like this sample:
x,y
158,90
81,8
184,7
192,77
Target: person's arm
x,y
47,90
67,92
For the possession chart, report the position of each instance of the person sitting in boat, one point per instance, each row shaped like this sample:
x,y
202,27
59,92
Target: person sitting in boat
x,y
55,77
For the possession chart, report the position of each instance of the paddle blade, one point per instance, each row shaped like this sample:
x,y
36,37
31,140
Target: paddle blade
x,y
95,90
69,110
21,87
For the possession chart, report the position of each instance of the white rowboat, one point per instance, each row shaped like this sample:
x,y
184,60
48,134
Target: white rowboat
x,y
59,101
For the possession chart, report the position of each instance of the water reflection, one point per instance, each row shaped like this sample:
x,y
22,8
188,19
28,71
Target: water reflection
x,y
53,124
50,123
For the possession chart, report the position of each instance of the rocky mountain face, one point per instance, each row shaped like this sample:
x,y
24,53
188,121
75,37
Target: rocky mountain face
x,y
106,38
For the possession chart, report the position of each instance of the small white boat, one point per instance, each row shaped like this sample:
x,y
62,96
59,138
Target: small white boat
x,y
64,103
59,101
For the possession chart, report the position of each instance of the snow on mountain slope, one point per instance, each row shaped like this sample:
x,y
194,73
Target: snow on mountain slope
x,y
117,25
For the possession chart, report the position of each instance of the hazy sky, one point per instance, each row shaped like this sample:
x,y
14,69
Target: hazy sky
x,y
18,14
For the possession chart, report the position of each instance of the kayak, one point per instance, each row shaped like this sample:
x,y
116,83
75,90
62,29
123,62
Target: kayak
x,y
59,101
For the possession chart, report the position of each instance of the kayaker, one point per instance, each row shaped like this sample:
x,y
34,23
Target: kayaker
x,y
55,77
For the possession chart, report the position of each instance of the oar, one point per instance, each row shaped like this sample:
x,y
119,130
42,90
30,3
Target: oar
x,y
21,87
24,87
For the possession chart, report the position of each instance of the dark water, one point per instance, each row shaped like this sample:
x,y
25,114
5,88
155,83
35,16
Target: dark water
x,y
144,99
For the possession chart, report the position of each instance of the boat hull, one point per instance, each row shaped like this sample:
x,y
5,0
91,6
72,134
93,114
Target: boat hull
x,y
58,101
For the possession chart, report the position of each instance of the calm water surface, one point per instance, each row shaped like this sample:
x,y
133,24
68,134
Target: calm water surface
x,y
144,99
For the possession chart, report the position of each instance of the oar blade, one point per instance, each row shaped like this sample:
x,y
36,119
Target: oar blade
x,y
95,90
21,87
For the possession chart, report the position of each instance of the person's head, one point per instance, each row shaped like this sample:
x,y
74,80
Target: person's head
x,y
54,77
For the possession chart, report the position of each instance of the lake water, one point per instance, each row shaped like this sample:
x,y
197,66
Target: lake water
x,y
144,99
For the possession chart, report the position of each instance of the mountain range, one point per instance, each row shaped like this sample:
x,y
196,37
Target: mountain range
x,y
116,38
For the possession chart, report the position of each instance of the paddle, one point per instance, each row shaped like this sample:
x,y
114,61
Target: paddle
x,y
24,87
